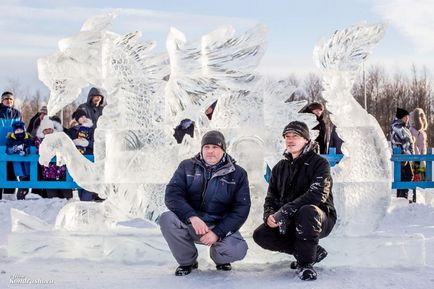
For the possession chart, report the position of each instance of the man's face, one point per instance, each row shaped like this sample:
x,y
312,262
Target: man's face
x,y
96,99
9,102
212,153
294,143
405,119
317,112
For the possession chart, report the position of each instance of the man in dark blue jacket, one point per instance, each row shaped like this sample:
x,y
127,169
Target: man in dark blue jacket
x,y
209,200
298,209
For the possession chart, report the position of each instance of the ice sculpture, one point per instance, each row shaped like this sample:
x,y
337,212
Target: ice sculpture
x,y
362,179
149,93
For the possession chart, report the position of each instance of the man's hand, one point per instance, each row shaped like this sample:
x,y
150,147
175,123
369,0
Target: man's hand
x,y
199,226
209,238
271,222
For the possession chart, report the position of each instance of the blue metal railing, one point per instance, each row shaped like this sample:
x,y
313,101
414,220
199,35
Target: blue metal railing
x,y
398,158
33,182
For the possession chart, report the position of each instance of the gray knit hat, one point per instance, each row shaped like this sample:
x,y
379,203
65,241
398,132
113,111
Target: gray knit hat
x,y
297,127
214,137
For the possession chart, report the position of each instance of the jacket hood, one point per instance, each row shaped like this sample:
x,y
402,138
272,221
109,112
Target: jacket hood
x,y
418,119
48,123
96,91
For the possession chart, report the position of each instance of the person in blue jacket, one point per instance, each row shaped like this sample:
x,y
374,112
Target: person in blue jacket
x,y
19,142
8,115
209,200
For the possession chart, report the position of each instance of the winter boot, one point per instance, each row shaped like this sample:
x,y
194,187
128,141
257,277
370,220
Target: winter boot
x,y
306,272
224,267
321,253
21,194
185,270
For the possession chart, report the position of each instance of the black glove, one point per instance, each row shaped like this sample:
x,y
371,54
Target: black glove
x,y
283,217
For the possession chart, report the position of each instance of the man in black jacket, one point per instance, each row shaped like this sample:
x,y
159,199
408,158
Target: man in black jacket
x,y
298,208
209,200
94,105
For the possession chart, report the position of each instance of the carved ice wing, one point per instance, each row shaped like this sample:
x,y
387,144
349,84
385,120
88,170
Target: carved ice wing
x,y
347,48
202,70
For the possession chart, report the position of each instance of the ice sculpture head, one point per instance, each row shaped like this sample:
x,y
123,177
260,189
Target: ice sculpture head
x,y
78,63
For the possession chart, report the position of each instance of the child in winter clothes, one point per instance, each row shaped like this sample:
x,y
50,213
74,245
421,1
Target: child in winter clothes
x,y
82,136
19,142
52,172
82,133
418,127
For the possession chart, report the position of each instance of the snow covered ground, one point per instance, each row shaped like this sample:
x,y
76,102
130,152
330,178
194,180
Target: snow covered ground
x,y
25,272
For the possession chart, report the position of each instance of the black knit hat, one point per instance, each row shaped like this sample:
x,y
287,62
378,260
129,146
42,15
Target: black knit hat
x,y
297,127
214,137
78,113
7,94
400,113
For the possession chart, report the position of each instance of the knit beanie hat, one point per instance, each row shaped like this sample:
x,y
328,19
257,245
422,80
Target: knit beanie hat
x,y
78,113
18,125
297,127
44,109
400,113
7,94
214,137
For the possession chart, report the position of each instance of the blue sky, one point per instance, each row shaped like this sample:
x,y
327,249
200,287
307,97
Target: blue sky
x,y
31,29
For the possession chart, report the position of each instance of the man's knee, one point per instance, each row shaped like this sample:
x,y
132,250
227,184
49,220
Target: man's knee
x,y
260,234
168,220
308,222
230,250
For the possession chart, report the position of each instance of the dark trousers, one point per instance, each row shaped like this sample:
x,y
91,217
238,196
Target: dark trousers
x,y
307,226
59,193
406,176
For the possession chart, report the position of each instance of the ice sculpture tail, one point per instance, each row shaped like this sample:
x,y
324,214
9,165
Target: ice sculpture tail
x,y
362,178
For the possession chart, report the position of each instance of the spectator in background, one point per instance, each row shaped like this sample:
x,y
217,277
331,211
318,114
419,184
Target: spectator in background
x,y
94,105
400,137
8,115
19,142
327,138
210,110
185,127
35,121
82,136
52,172
418,127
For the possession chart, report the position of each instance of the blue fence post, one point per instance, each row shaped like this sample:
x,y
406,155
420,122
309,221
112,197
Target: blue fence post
x,y
33,167
396,166
428,172
332,154
3,165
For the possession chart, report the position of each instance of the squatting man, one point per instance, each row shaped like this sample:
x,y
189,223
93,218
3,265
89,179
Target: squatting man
x,y
209,200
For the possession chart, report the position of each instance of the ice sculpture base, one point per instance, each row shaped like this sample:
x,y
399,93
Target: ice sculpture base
x,y
149,247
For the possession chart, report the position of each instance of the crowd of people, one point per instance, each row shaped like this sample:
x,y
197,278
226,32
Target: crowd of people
x,y
18,140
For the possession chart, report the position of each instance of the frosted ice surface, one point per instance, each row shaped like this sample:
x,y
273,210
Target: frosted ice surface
x,y
362,179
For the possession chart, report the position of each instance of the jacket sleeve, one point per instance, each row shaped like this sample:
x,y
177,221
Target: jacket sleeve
x,y
176,195
233,221
271,204
318,191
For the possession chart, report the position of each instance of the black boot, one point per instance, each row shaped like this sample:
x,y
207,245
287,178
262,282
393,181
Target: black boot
x,y
224,267
321,253
306,272
185,270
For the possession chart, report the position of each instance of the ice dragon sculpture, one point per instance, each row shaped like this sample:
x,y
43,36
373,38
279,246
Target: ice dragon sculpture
x,y
149,93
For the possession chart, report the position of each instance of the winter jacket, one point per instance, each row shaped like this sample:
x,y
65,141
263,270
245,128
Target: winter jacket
x,y
327,138
82,136
400,137
418,127
305,180
20,145
9,113
93,112
220,196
